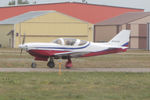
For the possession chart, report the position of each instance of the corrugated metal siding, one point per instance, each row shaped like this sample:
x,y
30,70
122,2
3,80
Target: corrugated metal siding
x,y
134,43
24,17
60,29
5,40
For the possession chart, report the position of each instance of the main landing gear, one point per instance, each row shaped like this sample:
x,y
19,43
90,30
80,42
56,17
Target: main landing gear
x,y
68,64
51,63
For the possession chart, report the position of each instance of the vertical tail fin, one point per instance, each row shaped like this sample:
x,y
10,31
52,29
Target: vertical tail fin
x,y
121,39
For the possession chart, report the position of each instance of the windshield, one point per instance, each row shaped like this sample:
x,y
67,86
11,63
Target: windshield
x,y
82,42
57,41
70,42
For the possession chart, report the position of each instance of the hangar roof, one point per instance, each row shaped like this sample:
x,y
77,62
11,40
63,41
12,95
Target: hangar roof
x,y
24,17
125,18
91,13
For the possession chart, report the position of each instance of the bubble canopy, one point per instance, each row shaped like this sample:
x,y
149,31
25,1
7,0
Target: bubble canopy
x,y
69,42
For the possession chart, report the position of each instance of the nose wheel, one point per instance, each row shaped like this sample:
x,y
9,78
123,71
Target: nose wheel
x,y
51,63
33,65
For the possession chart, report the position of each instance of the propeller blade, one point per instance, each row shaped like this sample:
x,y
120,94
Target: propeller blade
x,y
21,51
23,41
24,37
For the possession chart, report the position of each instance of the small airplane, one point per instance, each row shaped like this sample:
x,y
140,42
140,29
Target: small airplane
x,y
67,48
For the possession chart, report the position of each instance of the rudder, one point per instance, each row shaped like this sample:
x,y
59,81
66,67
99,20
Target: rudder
x,y
121,39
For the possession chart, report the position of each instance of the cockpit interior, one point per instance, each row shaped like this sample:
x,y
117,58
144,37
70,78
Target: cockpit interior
x,y
70,42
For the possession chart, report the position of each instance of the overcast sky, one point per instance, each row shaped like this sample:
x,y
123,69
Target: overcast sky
x,y
144,4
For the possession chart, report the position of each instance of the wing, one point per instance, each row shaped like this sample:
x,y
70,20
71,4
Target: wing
x,y
72,54
114,46
122,47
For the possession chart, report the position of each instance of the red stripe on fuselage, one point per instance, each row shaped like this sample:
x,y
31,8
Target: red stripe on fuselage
x,y
44,52
109,51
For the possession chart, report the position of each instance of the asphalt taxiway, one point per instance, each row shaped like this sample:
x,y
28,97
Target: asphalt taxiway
x,y
75,70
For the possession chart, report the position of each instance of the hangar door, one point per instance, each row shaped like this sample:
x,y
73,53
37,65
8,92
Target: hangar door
x,y
50,31
142,36
51,26
104,33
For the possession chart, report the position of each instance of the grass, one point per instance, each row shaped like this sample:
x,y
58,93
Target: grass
x,y
74,86
11,58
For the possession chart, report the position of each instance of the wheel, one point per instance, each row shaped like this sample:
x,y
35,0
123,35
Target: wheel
x,y
51,64
33,65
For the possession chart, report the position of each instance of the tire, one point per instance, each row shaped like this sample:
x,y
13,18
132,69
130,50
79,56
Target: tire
x,y
33,65
51,64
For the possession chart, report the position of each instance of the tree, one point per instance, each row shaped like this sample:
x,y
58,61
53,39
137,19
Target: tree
x,y
12,2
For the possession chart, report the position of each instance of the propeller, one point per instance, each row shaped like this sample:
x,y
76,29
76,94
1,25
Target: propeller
x,y
23,41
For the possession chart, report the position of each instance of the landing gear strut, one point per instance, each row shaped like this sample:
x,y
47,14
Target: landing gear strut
x,y
51,63
68,63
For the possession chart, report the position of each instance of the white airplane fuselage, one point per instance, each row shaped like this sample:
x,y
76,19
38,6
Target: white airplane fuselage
x,y
52,49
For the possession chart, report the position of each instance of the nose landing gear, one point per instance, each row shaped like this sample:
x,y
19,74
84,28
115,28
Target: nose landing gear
x,y
33,65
